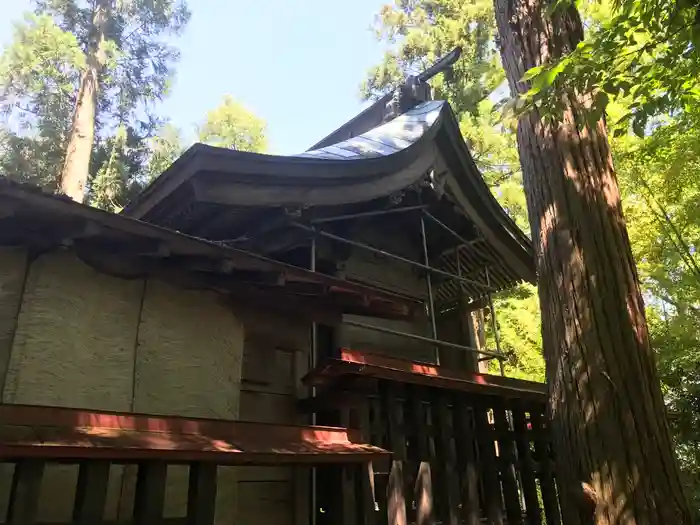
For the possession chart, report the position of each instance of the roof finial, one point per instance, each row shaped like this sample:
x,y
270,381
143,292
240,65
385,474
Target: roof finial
x,y
416,89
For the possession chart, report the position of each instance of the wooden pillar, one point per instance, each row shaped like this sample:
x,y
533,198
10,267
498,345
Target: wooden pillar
x,y
396,499
423,490
474,320
543,450
527,465
447,459
489,466
506,462
466,445
91,492
150,493
201,494
24,496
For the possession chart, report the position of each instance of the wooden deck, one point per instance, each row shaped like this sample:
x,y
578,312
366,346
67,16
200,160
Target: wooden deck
x,y
33,438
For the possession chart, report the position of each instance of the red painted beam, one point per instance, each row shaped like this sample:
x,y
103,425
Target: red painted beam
x,y
48,432
354,362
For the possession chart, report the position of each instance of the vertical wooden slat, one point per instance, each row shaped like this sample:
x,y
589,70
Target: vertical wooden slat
x,y
465,442
447,458
91,492
368,489
24,495
150,493
527,469
424,495
379,437
367,513
349,499
396,500
302,496
201,494
489,467
507,465
423,490
546,474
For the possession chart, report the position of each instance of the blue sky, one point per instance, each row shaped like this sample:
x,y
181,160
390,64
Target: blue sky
x,y
297,64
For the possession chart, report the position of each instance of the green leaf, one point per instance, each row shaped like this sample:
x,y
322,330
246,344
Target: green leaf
x,y
532,73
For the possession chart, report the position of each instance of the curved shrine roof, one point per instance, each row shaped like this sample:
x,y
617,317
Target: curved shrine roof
x,y
215,192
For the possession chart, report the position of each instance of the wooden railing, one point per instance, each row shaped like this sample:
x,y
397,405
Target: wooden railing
x,y
34,437
467,448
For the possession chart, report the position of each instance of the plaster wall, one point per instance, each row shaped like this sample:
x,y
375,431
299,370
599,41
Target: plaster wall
x,y
73,337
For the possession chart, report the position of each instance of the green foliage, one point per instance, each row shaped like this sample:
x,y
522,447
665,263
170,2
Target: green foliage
x,y
640,51
661,189
38,74
232,126
39,80
164,148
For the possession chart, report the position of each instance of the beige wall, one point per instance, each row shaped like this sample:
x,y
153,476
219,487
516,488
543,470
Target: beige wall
x,y
88,340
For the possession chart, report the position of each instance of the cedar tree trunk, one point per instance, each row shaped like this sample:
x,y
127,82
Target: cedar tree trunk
x,y
615,461
76,167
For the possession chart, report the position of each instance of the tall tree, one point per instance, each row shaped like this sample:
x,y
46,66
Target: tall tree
x,y
232,126
111,61
614,452
75,172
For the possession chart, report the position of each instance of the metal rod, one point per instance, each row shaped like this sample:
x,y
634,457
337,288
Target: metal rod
x,y
391,256
459,268
494,324
445,227
437,342
429,281
312,365
367,214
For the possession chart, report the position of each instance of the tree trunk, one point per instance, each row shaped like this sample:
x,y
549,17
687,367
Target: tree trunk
x,y
615,462
76,167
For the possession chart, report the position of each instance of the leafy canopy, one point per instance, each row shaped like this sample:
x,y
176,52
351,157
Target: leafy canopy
x,y
642,53
232,126
40,73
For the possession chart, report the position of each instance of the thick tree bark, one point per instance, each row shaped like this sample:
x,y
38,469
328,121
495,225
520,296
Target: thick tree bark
x,y
615,462
76,167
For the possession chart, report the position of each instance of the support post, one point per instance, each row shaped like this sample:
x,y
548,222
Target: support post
x,y
312,365
494,325
429,280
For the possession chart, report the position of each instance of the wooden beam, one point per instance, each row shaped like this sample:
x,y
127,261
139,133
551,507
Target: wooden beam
x,y
357,363
71,434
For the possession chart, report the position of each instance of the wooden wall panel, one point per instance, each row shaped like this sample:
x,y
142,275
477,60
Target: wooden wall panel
x,y
74,344
275,358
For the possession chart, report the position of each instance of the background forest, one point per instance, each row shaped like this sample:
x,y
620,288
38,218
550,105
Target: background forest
x,y
639,58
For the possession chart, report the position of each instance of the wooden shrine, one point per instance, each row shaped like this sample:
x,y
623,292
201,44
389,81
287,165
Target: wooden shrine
x,y
287,340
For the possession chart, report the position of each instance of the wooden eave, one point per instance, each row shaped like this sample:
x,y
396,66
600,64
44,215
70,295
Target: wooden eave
x,y
129,248
208,186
